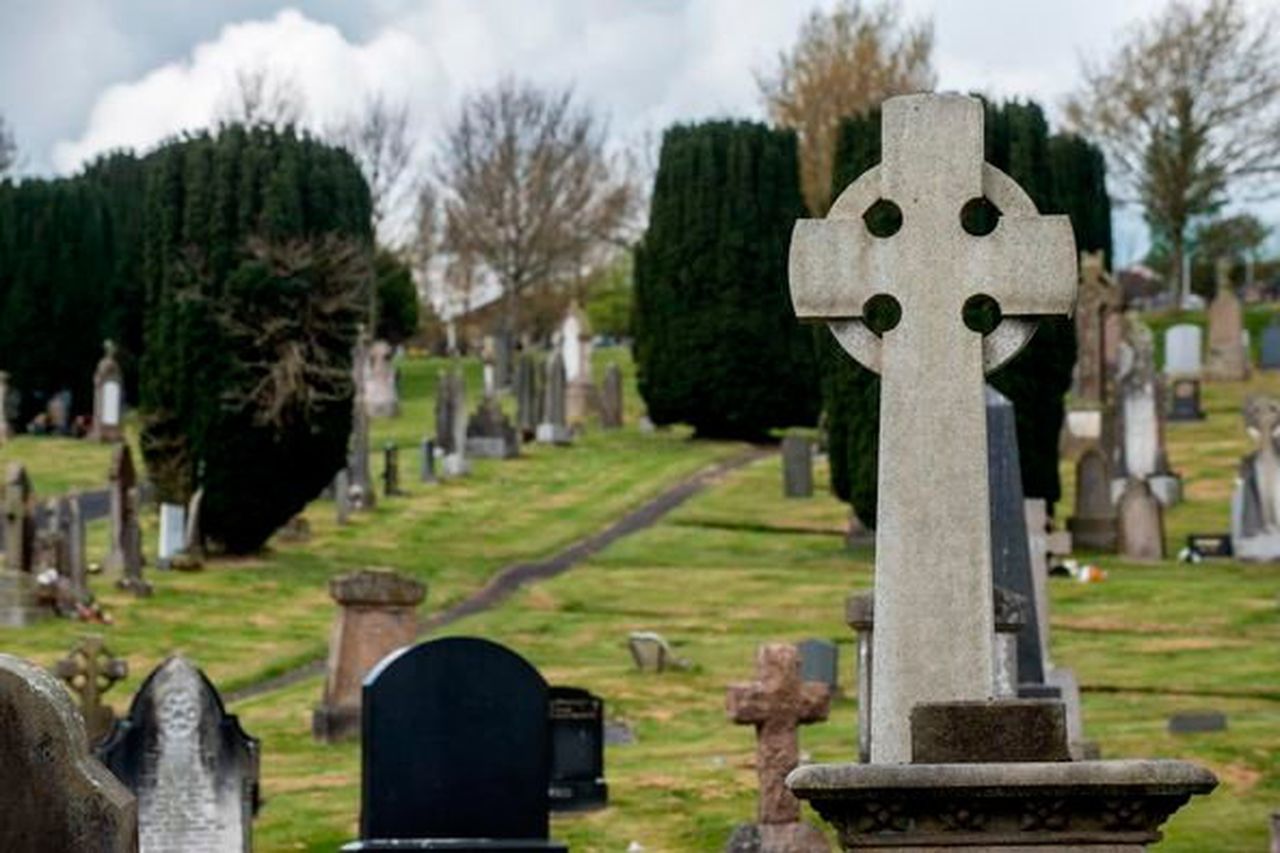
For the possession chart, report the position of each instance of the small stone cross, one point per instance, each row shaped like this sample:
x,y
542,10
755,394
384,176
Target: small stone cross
x,y
777,702
934,619
90,671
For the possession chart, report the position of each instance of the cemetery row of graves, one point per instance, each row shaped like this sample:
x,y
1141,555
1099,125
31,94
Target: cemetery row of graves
x,y
644,634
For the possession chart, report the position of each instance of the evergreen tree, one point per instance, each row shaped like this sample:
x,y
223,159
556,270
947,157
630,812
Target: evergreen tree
x,y
397,298
1061,175
716,342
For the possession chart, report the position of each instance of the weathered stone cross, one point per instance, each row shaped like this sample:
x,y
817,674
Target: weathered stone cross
x,y
776,703
934,621
90,671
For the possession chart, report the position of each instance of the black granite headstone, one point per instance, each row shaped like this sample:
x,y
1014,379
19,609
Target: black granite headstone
x,y
1211,545
577,750
1186,401
1010,549
191,766
456,751
1269,356
820,661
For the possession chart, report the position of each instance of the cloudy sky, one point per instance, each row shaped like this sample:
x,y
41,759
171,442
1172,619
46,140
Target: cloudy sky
x,y
79,77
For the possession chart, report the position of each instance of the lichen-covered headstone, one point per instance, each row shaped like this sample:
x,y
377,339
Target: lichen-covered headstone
x,y
191,766
611,398
54,796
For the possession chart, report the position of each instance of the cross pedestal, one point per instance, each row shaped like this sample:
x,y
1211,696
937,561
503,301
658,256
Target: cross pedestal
x,y
914,281
776,703
90,671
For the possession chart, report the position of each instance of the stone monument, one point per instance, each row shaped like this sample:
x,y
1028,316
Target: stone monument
x,y
191,766
1228,360
797,466
1093,523
108,397
19,597
4,406
933,678
1099,298
776,703
490,433
455,462
1182,346
56,796
381,382
1269,357
580,390
1142,446
529,395
124,548
359,470
554,428
90,671
611,398
1185,405
377,614
577,750
1139,522
1255,503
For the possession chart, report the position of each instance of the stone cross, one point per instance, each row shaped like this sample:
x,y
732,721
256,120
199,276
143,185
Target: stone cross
x,y
933,539
19,519
90,671
776,703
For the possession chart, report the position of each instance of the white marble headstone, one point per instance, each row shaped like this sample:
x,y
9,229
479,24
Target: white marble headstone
x,y
570,334
173,530
1182,348
111,403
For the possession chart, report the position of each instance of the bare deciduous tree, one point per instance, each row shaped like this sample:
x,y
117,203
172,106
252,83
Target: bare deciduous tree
x,y
262,96
1188,110
530,194
844,63
378,137
8,148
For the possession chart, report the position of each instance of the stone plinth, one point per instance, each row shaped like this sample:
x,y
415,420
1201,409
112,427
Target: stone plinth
x,y
376,616
1113,806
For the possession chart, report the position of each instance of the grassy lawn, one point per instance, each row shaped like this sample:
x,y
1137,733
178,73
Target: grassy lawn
x,y
735,566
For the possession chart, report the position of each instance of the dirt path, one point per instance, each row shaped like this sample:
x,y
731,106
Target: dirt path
x,y
502,585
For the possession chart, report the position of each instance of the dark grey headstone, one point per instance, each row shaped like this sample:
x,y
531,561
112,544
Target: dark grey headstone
x,y
1269,358
490,433
1185,402
391,470
577,750
427,473
820,661
1196,722
1010,550
797,467
191,766
455,747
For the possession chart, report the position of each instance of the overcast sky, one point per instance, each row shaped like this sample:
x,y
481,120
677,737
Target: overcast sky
x,y
79,77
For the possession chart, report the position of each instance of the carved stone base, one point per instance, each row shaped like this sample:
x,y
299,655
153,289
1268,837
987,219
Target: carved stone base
x,y
1085,805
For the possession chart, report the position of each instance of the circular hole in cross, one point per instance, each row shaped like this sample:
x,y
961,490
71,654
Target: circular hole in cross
x,y
981,314
979,216
883,219
881,313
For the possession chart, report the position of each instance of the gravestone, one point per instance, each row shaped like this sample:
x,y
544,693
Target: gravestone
x,y
1139,522
360,489
503,359
1185,405
108,396
173,533
490,433
20,602
446,401
820,662
191,766
529,395
58,411
427,469
1197,722
192,554
797,466
1140,410
90,671
455,462
580,389
377,614
56,797
381,382
577,750
77,557
1093,523
652,652
487,369
611,398
1255,502
1228,360
1183,344
447,723
911,274
124,547
1269,358
391,470
777,703
342,496
931,361
554,428
4,406
1099,298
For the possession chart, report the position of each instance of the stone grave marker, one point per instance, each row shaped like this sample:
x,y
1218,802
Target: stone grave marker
x,y
445,402
1228,360
391,470
124,550
554,428
895,290
108,396
381,382
56,797
1269,357
1140,522
652,652
1255,502
611,398
924,275
529,395
377,614
446,724
1185,405
1093,522
191,766
173,533
797,466
503,358
1140,410
1099,298
490,433
1183,344
488,372
1197,722
820,662
90,671
580,389
59,412
427,469
20,602
342,496
77,556
4,406
455,461
359,469
577,750
777,703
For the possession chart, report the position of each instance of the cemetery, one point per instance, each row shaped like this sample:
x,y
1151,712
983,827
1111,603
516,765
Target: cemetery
x,y
761,499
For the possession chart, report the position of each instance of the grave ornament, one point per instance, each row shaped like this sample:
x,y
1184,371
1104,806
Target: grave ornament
x,y
90,671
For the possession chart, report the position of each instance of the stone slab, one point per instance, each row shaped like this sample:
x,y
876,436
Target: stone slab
x,y
1196,722
1006,730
